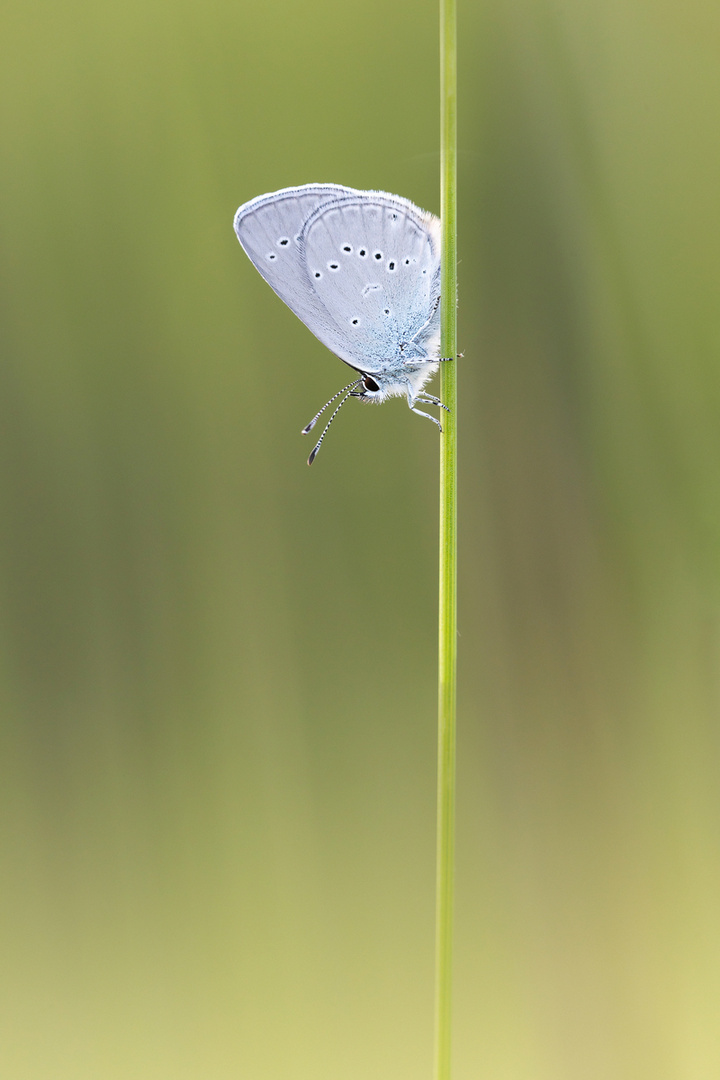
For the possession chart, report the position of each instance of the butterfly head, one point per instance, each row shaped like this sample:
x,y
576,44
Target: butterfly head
x,y
369,388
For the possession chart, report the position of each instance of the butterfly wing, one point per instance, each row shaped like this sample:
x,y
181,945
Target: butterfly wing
x,y
269,229
374,261
317,246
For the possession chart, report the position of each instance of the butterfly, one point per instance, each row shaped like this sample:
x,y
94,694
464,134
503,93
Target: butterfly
x,y
362,271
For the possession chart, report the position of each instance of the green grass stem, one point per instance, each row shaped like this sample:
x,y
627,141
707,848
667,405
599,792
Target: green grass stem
x,y
447,644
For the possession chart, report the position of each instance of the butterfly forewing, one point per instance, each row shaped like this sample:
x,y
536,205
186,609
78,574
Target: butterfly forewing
x,y
269,229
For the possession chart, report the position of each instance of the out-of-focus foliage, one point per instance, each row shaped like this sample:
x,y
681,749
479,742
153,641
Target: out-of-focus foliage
x,y
217,672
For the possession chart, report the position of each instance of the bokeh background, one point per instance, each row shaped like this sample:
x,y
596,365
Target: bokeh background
x,y
217,683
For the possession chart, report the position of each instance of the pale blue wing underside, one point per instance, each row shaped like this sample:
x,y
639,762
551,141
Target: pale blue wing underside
x,y
269,230
360,268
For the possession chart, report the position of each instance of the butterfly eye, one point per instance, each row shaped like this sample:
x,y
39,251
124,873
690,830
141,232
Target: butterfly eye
x,y
370,384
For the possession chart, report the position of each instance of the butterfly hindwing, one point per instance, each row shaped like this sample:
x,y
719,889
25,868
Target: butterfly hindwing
x,y
374,263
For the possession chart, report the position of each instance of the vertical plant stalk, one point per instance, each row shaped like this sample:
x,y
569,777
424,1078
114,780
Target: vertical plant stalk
x,y
447,644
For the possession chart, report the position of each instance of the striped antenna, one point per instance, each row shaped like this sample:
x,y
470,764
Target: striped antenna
x,y
316,417
337,410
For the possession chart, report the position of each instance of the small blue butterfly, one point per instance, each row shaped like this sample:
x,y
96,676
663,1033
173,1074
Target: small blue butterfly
x,y
362,271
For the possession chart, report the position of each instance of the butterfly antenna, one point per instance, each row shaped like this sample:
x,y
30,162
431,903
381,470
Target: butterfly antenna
x,y
316,417
337,410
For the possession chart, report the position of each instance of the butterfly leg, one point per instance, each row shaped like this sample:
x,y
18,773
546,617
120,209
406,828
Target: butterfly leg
x,y
434,419
411,402
428,360
430,399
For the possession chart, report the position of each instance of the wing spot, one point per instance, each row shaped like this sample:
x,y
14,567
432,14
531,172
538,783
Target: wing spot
x,y
407,262
346,247
283,241
391,266
362,253
387,310
333,266
378,254
272,255
318,274
355,322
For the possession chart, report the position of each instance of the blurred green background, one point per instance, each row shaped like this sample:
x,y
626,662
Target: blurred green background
x,y
217,751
